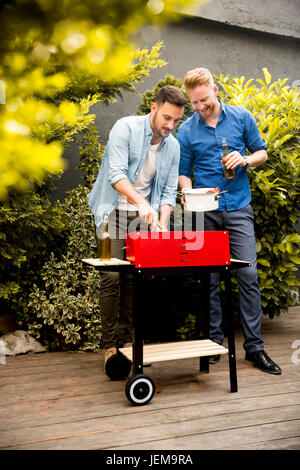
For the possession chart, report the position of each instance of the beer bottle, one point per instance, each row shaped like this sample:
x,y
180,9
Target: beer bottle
x,y
104,241
228,173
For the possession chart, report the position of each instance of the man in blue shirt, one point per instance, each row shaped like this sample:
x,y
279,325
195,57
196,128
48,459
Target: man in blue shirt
x,y
200,139
138,178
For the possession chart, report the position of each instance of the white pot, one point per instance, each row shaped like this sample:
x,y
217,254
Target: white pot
x,y
200,200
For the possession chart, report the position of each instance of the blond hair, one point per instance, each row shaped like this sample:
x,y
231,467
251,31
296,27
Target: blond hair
x,y
197,77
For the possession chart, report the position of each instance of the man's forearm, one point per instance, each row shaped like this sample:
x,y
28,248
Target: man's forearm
x,y
185,182
125,188
257,158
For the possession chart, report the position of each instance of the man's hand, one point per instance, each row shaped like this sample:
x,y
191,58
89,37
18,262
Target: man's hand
x,y
182,200
148,214
185,183
234,159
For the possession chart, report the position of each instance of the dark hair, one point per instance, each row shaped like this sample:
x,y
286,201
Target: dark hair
x,y
170,94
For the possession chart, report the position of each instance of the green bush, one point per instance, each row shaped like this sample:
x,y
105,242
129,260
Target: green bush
x,y
65,308
30,228
68,303
42,241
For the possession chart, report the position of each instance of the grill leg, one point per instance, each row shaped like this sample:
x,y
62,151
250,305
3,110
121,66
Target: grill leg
x,y
205,296
231,342
137,360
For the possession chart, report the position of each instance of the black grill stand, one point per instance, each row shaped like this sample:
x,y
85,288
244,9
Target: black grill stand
x,y
140,388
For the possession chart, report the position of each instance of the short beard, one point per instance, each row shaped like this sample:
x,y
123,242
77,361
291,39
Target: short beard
x,y
156,130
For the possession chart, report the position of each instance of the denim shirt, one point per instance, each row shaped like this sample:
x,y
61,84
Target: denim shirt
x,y
123,157
201,151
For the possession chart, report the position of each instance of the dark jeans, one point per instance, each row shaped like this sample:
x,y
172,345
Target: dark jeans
x,y
240,225
116,290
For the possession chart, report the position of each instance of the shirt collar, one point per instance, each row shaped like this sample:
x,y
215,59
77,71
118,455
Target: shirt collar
x,y
148,127
223,108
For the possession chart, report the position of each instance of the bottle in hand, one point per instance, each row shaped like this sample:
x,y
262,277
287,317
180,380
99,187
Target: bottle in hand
x,y
228,172
104,241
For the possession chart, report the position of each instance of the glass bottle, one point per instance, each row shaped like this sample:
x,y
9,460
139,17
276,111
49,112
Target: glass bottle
x,y
228,172
104,241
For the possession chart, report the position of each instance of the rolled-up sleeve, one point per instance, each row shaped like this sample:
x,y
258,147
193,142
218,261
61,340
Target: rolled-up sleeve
x,y
118,152
186,155
252,135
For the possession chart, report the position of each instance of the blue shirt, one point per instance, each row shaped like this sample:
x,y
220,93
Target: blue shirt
x,y
201,151
123,157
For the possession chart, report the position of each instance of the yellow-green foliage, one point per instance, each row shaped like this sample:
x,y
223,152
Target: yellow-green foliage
x,y
275,106
52,53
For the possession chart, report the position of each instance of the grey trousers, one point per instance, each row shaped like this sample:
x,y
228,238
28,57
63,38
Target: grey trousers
x,y
240,224
116,289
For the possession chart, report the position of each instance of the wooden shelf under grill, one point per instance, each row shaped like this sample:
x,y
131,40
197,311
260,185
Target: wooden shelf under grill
x,y
177,350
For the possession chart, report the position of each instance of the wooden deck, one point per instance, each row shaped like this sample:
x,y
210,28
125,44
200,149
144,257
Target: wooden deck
x,y
64,401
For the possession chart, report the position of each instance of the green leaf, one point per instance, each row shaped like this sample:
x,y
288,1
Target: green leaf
x,y
293,218
281,141
294,238
264,262
269,283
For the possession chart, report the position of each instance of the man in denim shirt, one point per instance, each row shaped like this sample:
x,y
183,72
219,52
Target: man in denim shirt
x,y
138,178
200,139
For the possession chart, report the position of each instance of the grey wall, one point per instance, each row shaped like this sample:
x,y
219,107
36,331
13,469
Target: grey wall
x,y
262,34
271,16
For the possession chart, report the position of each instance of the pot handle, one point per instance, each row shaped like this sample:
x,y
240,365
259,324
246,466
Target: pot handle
x,y
217,196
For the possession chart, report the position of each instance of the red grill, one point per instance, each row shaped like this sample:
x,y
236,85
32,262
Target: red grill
x,y
170,249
